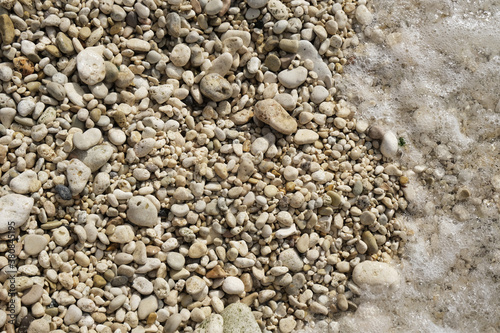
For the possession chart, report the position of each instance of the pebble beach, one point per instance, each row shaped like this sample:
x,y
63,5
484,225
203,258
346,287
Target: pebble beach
x,y
191,166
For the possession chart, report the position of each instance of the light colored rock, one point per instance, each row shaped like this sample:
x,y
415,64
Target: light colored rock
x,y
75,93
123,234
213,324
319,94
376,277
96,156
272,113
90,65
363,15
277,9
73,315
222,64
26,182
61,236
142,285
34,244
77,174
161,93
146,306
87,139
144,147
213,7
138,45
195,285
175,260
291,259
389,145
116,136
238,318
172,323
142,212
25,106
305,136
14,211
180,55
215,87
39,326
233,286
293,78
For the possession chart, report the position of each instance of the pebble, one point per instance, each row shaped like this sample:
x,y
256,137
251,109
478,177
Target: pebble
x,y
26,182
287,324
34,244
319,94
73,315
7,30
116,136
142,212
90,65
197,250
277,9
305,136
195,285
14,211
175,260
172,323
222,64
363,15
307,51
146,306
291,259
123,234
96,156
78,175
213,324
293,78
215,87
64,44
180,55
367,218
233,286
87,139
213,7
376,277
389,146
33,295
39,326
272,113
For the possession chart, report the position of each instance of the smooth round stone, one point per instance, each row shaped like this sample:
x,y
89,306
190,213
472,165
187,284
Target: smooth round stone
x,y
146,306
363,15
367,218
14,211
277,9
289,45
175,260
213,7
144,147
87,139
233,285
5,73
319,94
287,324
172,323
305,136
142,212
138,45
290,173
61,236
34,244
293,78
96,156
260,145
56,90
77,174
257,3
64,44
25,107
306,51
389,146
197,250
116,136
118,13
291,259
272,62
39,326
99,90
180,210
180,55
222,64
90,65
73,315
195,285
142,285
272,113
82,259
215,87
63,191
377,277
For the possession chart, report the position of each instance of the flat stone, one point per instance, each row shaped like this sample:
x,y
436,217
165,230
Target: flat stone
x,y
215,87
142,212
376,277
197,250
77,174
180,55
56,90
75,93
172,323
161,93
389,146
222,64
142,285
238,318
213,324
213,7
146,306
272,62
138,45
64,44
293,78
289,45
272,113
96,156
39,326
195,285
73,315
305,136
14,211
90,65
34,244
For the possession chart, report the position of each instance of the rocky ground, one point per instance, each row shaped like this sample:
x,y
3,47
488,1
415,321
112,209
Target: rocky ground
x,y
182,166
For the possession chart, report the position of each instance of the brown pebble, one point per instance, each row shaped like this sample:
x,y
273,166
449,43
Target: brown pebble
x,y
376,132
99,317
24,66
216,273
151,318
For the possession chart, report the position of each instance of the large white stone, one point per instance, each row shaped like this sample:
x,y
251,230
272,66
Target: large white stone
x,y
376,277
142,212
77,174
14,211
90,65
